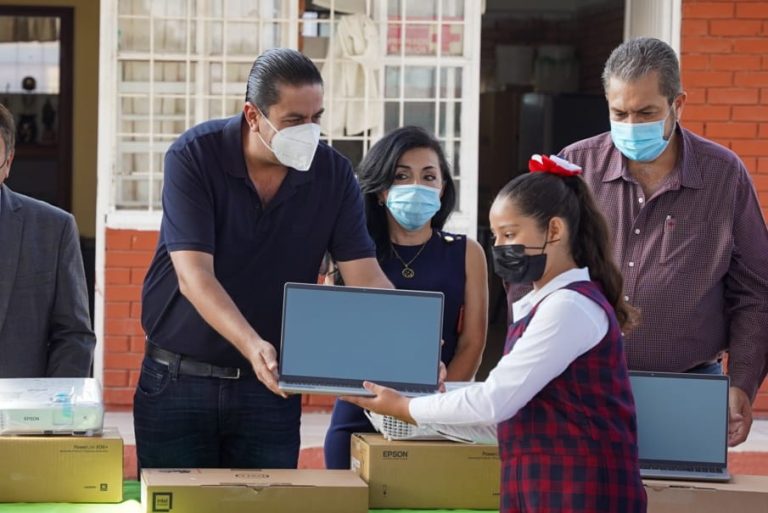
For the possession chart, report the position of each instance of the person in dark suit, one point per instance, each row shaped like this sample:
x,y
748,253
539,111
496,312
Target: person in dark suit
x,y
45,328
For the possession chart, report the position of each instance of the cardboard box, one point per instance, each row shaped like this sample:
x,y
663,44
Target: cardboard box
x,y
61,468
743,494
273,491
437,475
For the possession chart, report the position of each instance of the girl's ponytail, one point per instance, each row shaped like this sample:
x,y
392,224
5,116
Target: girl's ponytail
x,y
590,245
554,188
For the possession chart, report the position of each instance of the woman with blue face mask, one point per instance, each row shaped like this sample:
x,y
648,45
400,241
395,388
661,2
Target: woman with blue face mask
x,y
409,194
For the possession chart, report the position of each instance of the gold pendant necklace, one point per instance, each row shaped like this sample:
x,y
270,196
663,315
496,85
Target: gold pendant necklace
x,y
407,272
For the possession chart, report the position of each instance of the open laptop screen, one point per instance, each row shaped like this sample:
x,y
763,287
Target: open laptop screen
x,y
681,418
344,335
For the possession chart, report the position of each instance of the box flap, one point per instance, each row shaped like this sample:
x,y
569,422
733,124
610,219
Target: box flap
x,y
738,483
255,479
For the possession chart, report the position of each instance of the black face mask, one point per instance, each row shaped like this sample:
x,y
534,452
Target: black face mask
x,y
512,265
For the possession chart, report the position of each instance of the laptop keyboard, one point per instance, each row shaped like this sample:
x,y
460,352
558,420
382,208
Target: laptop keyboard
x,y
714,469
315,384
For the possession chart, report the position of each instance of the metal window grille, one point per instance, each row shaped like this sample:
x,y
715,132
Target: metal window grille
x,y
180,62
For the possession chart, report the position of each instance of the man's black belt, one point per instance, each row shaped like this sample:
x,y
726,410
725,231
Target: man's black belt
x,y
190,367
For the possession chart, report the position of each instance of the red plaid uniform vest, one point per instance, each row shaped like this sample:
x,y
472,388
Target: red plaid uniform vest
x,y
587,409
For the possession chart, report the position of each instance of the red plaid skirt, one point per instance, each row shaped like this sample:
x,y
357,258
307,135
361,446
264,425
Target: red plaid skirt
x,y
594,483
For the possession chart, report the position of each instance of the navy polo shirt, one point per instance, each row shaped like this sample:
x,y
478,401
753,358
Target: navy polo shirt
x,y
210,205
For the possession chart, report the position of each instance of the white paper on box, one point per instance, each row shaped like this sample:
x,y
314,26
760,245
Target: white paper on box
x,y
34,406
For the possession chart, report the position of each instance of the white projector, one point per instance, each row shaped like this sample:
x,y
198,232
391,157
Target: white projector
x,y
50,406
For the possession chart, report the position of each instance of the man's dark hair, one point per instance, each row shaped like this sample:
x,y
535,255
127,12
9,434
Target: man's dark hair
x,y
7,131
276,67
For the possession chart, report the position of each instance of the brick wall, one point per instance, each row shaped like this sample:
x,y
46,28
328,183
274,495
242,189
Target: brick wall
x,y
129,253
724,57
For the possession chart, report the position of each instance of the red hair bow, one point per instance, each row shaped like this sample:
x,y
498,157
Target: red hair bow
x,y
554,165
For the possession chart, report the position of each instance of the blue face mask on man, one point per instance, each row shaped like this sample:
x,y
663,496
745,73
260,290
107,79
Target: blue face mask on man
x,y
643,142
413,206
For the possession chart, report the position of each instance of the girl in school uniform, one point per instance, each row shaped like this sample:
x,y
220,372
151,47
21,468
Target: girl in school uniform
x,y
560,396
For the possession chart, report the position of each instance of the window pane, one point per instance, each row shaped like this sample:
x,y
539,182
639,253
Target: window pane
x,y
214,76
453,9
420,114
223,107
273,35
264,9
237,75
232,105
176,8
450,119
394,8
169,115
133,34
171,77
131,190
421,39
423,10
133,115
233,84
450,82
134,7
419,82
452,149
391,116
241,38
133,77
353,150
214,38
394,33
392,81
216,108
170,36
453,39
457,186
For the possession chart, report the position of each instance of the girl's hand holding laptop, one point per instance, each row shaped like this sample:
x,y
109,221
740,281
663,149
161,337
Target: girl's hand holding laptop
x,y
388,401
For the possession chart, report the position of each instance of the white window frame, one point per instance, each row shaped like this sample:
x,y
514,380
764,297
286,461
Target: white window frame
x,y
108,217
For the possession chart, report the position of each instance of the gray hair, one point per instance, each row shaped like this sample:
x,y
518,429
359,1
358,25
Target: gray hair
x,y
7,131
638,57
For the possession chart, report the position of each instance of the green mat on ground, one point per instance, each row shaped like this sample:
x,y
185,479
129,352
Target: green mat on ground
x,y
130,504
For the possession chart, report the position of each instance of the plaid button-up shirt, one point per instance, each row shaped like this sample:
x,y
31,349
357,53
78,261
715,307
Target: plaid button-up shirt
x,y
694,257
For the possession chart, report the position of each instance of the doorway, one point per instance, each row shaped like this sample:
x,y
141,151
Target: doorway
x,y
36,53
540,90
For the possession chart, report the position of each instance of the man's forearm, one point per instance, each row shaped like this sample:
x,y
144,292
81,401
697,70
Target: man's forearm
x,y
216,307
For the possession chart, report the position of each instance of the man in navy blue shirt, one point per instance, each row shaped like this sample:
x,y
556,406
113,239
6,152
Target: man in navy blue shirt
x,y
249,203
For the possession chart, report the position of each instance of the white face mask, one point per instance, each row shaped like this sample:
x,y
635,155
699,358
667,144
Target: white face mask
x,y
294,146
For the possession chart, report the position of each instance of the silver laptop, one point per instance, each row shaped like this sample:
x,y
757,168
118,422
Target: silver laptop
x,y
682,422
334,338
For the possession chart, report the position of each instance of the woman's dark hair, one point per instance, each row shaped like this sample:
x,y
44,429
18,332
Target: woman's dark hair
x,y
376,173
276,67
543,196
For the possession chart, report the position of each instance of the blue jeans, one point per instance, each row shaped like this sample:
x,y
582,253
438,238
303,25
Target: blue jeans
x,y
194,422
707,368
345,420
